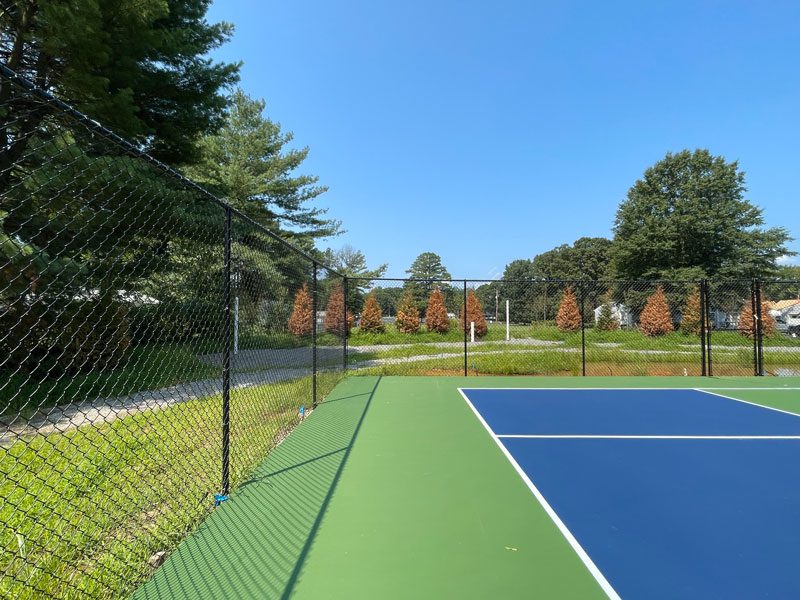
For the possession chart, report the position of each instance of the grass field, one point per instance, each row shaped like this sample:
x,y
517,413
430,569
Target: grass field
x,y
84,510
544,350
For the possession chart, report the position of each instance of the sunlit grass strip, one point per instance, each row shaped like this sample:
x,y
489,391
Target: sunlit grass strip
x,y
81,512
521,360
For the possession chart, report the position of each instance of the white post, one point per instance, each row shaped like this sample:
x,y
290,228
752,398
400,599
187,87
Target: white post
x,y
236,325
508,324
472,331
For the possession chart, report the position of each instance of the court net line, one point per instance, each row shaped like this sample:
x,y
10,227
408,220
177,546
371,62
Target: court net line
x,y
645,437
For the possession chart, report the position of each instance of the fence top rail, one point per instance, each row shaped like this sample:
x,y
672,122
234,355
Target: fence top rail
x,y
572,281
133,150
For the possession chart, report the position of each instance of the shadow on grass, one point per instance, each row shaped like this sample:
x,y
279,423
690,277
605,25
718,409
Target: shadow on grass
x,y
255,545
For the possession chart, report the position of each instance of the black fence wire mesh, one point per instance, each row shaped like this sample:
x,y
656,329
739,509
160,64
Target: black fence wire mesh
x,y
147,356
547,327
156,344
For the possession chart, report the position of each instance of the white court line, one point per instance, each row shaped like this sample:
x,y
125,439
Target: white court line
x,y
711,393
599,577
633,389
644,437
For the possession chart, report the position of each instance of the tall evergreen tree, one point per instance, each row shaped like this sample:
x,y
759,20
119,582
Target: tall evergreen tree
x,y
338,320
247,163
473,314
428,269
436,318
691,317
656,318
140,67
407,315
301,323
569,316
371,317
352,263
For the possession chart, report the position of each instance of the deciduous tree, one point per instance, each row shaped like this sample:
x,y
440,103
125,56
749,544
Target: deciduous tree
x,y
687,214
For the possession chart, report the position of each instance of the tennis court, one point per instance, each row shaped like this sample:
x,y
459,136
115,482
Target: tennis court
x,y
416,487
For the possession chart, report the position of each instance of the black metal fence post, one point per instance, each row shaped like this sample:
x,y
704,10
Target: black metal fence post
x,y
583,332
314,337
703,324
759,332
709,327
226,356
346,325
464,325
755,319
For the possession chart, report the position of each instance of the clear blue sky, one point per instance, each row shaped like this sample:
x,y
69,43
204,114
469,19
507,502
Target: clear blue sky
x,y
490,131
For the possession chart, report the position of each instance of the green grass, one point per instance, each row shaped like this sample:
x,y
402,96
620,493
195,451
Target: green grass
x,y
548,332
500,359
455,334
621,352
148,367
82,511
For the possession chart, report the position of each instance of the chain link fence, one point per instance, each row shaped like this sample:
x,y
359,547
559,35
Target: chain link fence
x,y
152,352
156,344
546,327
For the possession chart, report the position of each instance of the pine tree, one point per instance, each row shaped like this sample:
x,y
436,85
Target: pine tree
x,y
474,314
568,317
436,318
656,318
746,325
407,314
690,321
301,322
334,313
371,316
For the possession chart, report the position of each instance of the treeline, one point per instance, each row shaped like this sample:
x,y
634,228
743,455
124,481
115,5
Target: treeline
x,y
101,252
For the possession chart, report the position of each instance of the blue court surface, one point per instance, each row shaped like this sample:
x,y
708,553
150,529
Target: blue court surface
x,y
672,494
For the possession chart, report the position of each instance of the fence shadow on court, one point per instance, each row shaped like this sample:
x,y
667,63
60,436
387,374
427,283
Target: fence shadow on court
x,y
256,544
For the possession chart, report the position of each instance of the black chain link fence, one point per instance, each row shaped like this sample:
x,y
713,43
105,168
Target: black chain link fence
x,y
545,327
150,354
155,344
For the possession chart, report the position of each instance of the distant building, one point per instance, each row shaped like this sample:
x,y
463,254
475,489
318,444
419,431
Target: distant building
x,y
787,315
619,312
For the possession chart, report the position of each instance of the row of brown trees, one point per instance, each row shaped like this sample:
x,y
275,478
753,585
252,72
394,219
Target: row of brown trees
x,y
656,317
301,322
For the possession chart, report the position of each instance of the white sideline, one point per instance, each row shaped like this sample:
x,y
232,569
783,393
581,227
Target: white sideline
x,y
599,577
709,392
632,389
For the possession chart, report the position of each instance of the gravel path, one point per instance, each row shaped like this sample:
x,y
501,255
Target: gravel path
x,y
272,365
105,410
